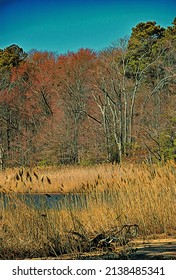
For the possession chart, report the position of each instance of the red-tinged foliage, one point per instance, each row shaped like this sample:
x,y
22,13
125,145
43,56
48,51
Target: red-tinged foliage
x,y
85,107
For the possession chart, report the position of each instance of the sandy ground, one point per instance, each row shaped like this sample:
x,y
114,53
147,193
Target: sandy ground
x,y
156,249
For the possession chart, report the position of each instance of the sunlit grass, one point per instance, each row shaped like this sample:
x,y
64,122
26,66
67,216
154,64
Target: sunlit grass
x,y
110,196
77,178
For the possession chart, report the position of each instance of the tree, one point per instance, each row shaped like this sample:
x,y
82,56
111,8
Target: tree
x,y
73,94
143,45
170,33
158,91
115,93
33,90
10,58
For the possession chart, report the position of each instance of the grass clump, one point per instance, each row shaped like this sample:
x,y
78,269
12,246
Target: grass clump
x,y
110,197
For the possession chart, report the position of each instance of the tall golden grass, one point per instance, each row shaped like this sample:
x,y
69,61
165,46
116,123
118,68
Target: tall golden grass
x,y
110,195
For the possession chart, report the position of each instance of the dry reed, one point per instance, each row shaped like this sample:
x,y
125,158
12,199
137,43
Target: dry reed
x,y
109,197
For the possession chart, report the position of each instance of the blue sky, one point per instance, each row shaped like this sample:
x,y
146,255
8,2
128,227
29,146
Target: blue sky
x,y
62,25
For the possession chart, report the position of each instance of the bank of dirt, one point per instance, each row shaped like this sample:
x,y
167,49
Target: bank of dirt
x,y
154,249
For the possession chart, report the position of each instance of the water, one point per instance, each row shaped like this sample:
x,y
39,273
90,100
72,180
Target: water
x,y
56,201
45,201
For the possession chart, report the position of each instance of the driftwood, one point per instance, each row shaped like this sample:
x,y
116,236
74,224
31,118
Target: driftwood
x,y
109,239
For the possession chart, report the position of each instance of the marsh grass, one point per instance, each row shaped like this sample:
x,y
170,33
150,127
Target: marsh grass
x,y
110,196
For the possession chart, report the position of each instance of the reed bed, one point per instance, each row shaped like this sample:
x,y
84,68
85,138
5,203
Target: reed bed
x,y
110,196
77,178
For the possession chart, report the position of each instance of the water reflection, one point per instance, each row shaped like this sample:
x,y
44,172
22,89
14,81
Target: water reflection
x,y
43,201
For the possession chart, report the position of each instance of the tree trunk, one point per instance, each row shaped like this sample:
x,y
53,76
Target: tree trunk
x,y
1,152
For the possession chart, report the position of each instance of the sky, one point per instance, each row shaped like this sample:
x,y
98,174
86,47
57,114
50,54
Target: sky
x,y
68,25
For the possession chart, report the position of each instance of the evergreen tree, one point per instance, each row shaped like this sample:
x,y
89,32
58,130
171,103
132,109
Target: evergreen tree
x,y
143,44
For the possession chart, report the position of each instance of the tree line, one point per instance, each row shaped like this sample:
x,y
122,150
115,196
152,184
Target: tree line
x,y
87,107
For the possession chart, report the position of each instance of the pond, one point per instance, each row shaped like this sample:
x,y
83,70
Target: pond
x,y
43,201
57,201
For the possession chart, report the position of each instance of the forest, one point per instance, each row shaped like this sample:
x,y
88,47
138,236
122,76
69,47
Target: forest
x,y
88,107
